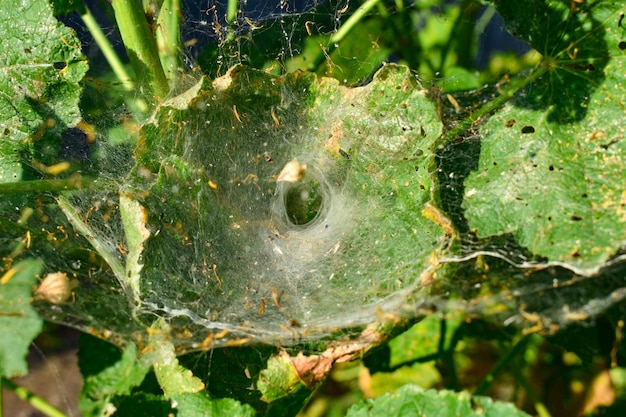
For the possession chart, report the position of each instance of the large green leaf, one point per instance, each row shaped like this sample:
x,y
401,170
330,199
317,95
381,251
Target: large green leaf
x,y
109,374
116,380
182,388
236,256
551,169
412,400
10,163
19,322
40,67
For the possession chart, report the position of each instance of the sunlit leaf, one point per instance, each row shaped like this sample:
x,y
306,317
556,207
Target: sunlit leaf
x,y
412,400
19,322
551,163
241,252
184,390
40,67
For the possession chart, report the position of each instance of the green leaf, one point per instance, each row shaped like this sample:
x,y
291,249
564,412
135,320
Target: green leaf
x,y
173,377
200,404
19,322
10,163
279,379
551,164
420,340
411,400
134,217
41,66
108,373
181,387
142,404
355,58
411,357
237,256
62,7
282,387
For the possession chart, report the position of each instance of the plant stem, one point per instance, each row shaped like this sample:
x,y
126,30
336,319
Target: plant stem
x,y
441,345
34,400
509,92
231,19
352,21
542,410
447,355
75,182
231,12
342,32
517,347
141,47
422,359
168,37
462,39
107,50
481,24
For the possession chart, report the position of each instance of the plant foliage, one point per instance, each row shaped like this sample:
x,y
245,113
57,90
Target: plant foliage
x,y
234,226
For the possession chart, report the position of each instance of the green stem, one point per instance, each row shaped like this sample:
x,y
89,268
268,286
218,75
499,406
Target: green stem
x,y
343,31
33,399
141,47
443,328
44,186
463,37
479,114
540,407
411,50
488,14
438,70
107,50
168,37
421,359
447,355
517,347
231,19
231,11
352,21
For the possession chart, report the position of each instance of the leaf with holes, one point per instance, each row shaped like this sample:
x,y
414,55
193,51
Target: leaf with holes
x,y
551,168
40,67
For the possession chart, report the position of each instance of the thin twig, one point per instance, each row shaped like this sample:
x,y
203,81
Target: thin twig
x,y
33,399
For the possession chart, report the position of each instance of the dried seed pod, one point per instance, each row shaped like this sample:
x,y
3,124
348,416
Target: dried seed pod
x,y
55,288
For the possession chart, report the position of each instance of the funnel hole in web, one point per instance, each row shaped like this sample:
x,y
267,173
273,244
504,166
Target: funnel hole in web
x,y
305,202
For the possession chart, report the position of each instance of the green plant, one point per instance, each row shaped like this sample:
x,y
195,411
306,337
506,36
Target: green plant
x,y
242,228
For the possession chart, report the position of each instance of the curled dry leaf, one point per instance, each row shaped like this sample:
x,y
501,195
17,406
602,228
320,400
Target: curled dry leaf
x,y
314,369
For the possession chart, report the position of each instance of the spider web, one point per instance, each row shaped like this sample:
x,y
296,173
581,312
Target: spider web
x,y
236,254
253,270
194,226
